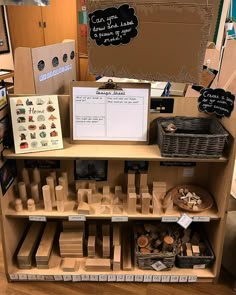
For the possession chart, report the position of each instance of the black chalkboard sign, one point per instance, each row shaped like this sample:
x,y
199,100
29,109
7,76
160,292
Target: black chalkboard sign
x,y
216,101
113,26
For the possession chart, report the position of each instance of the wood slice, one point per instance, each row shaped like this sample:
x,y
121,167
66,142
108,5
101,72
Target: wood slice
x,y
207,200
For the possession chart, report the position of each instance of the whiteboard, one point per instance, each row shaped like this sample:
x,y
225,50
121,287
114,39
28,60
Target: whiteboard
x,y
110,115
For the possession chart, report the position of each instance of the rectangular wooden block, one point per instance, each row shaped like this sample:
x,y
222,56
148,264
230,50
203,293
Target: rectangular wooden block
x,y
76,237
83,208
116,235
145,202
195,250
143,179
106,229
117,258
92,229
73,226
69,264
159,186
96,264
156,204
106,190
126,253
131,203
131,189
143,189
131,178
106,246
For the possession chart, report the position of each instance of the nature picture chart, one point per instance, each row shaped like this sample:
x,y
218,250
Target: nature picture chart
x,y
36,123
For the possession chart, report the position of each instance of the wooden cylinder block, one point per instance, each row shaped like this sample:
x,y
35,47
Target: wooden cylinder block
x,y
54,175
36,175
18,205
22,191
60,198
31,205
34,188
62,182
47,198
65,176
50,183
25,176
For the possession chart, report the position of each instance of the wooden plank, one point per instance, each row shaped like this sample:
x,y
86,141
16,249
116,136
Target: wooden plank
x,y
97,264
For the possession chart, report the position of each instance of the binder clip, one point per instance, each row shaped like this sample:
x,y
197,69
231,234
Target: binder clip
x,y
110,85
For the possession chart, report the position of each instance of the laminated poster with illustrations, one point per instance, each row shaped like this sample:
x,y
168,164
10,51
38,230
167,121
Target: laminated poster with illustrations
x,y
36,123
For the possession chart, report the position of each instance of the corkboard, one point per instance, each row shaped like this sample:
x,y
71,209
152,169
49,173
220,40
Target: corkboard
x,y
170,43
4,43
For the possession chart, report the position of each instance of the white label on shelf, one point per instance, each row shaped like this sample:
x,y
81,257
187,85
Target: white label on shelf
x,y
23,277
138,278
40,278
102,278
58,278
94,278
48,278
129,278
147,278
192,279
159,265
85,278
201,219
76,278
188,172
174,279
77,218
165,279
185,220
169,219
32,277
120,278
183,279
14,277
119,219
111,278
199,266
67,278
37,218
156,278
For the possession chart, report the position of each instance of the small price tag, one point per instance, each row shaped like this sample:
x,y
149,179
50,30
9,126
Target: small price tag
x,y
94,278
159,265
58,278
85,278
147,278
174,279
77,218
183,279
76,278
192,279
119,219
102,278
185,221
156,279
169,219
138,278
67,278
23,277
120,278
111,278
129,278
199,266
188,172
48,278
165,279
37,218
40,278
201,219
32,277
14,277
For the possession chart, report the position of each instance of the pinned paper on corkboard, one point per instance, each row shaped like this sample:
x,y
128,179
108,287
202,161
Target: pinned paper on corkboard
x,y
162,41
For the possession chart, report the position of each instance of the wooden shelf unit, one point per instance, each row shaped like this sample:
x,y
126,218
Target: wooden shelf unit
x,y
213,174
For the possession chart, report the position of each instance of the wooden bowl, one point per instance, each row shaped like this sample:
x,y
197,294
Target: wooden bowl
x,y
207,200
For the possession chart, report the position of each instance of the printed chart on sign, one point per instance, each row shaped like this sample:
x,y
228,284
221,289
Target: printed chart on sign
x,y
111,115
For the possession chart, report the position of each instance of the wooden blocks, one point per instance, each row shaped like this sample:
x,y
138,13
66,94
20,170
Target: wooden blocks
x,y
156,204
22,191
131,189
60,198
131,178
63,182
83,208
34,189
50,183
159,187
195,250
27,249
106,190
47,198
106,246
118,190
69,264
131,203
142,179
117,258
126,253
71,244
92,229
116,235
106,229
91,246
73,226
31,205
45,247
145,203
84,195
97,264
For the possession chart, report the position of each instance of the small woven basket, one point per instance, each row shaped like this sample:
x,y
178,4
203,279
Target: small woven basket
x,y
193,137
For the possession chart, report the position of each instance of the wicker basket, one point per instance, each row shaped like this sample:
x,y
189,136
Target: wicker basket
x,y
145,261
194,137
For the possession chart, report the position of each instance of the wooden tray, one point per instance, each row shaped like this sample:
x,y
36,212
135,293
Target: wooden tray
x,y
207,200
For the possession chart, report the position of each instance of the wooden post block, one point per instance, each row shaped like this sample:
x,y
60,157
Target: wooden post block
x,y
131,203
118,190
85,195
97,264
167,204
22,191
83,208
62,182
65,176
36,176
195,250
91,246
18,205
131,189
143,190
25,176
143,179
126,251
92,229
116,235
50,183
31,205
106,246
92,186
131,178
59,193
156,204
145,203
106,229
34,188
159,186
47,198
106,190
117,258
53,174
80,184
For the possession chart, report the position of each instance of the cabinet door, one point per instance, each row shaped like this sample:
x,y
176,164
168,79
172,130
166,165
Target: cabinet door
x,y
25,25
60,21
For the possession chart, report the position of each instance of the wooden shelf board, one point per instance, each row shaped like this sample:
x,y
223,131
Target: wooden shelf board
x,y
104,151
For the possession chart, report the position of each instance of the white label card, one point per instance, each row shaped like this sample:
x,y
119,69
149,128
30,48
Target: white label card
x,y
67,278
111,278
102,278
138,278
77,218
183,279
174,279
14,277
40,277
23,277
76,278
188,172
159,265
58,278
85,277
94,278
32,277
147,278
119,219
156,279
185,221
129,278
192,279
199,266
120,278
165,279
37,218
169,219
201,219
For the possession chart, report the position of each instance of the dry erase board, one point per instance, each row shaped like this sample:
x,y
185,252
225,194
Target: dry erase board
x,y
109,115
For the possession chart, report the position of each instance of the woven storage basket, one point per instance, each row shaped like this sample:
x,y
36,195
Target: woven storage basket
x,y
194,137
145,261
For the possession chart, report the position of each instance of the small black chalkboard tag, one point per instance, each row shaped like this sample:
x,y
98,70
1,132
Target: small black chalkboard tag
x,y
113,26
216,101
